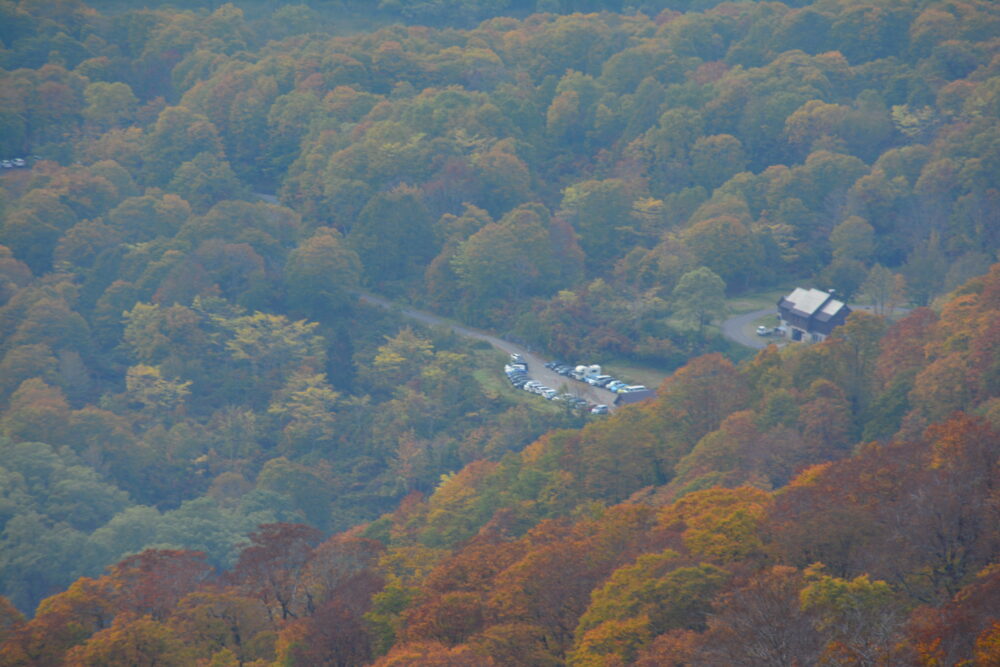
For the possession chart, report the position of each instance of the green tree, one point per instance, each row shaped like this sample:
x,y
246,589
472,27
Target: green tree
x,y
859,618
853,239
925,270
600,212
523,254
715,159
400,360
393,235
726,246
178,137
158,395
206,180
109,104
699,298
884,288
306,407
146,217
320,275
273,346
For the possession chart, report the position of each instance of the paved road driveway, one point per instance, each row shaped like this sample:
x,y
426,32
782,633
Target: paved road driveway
x,y
741,329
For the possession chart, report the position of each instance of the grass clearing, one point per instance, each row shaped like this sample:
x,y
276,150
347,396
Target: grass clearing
x,y
496,387
633,374
745,303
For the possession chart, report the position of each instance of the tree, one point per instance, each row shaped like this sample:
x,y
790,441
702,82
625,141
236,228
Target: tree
x,y
762,623
884,288
108,104
510,259
211,621
657,593
270,567
151,583
599,212
727,247
964,626
925,271
400,360
37,412
699,395
178,137
715,159
10,619
504,179
131,641
61,622
845,276
699,298
853,239
206,180
144,218
273,346
393,235
160,397
859,618
306,407
320,275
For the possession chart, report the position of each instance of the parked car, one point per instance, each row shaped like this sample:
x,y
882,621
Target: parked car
x,y
763,331
6,164
615,386
632,387
599,410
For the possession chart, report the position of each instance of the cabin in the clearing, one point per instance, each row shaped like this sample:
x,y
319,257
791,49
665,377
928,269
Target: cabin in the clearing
x,y
811,314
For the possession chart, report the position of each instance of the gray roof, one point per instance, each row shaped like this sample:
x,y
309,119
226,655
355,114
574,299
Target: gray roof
x,y
635,396
810,302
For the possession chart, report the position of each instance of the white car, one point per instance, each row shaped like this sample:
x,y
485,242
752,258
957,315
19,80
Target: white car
x,y
763,331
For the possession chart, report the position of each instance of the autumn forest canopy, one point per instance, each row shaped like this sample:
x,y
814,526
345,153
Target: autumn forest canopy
x,y
213,452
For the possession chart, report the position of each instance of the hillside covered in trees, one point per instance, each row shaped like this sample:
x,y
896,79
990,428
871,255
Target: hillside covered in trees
x,y
213,453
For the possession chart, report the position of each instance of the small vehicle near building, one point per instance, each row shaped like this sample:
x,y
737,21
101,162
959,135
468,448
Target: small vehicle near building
x,y
600,410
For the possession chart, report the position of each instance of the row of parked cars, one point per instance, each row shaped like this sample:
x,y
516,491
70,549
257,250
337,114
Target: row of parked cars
x,y
13,162
592,375
517,373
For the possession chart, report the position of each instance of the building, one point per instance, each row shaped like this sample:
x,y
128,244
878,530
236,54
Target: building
x,y
811,314
634,397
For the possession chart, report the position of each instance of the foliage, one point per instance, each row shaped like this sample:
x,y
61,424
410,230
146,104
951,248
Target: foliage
x,y
193,397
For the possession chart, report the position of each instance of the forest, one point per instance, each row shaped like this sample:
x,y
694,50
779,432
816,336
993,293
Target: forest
x,y
213,452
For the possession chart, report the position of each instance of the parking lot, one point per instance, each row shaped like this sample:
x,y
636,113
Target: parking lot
x,y
583,387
